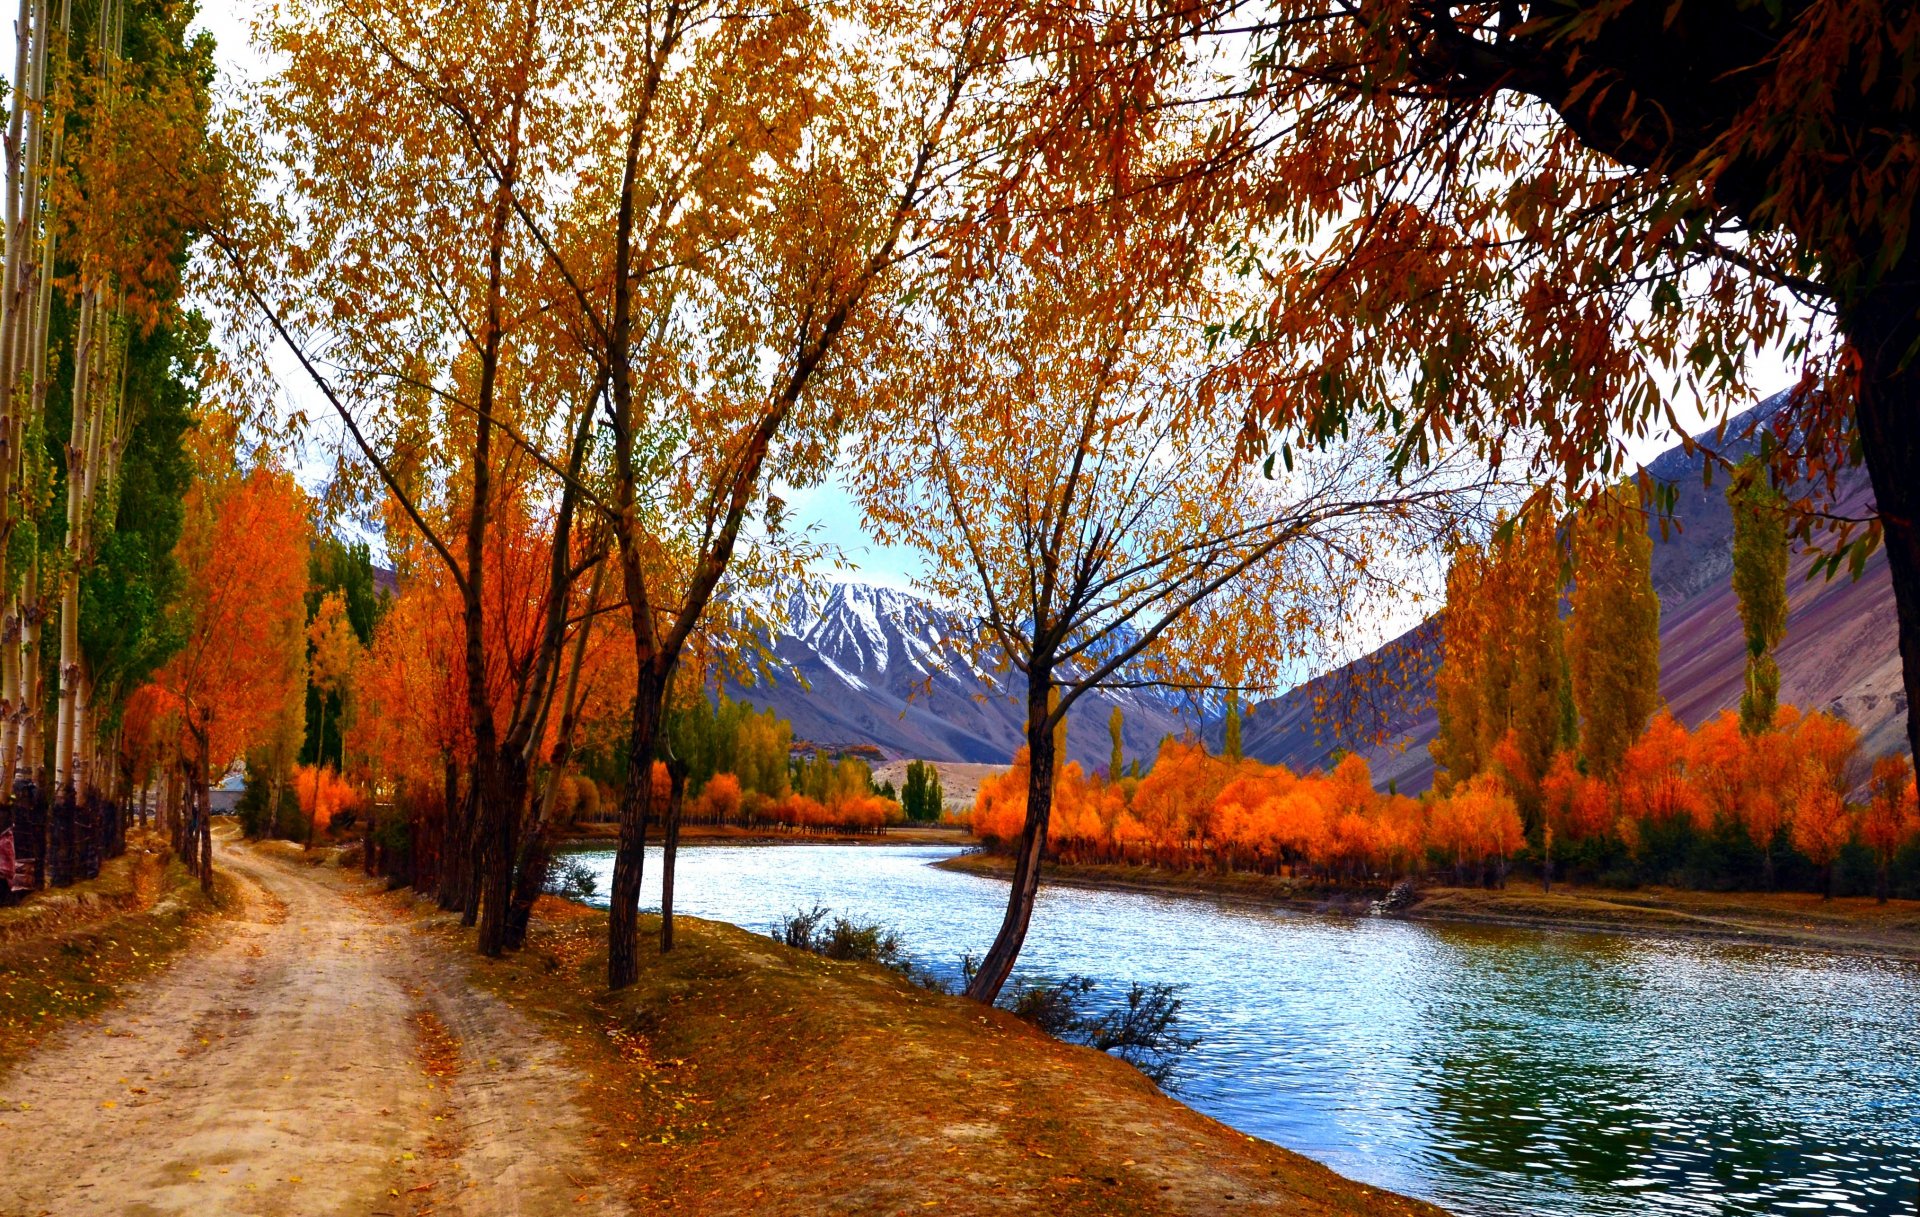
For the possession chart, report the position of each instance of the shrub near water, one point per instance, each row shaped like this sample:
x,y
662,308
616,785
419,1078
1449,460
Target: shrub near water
x,y
1713,807
1142,1032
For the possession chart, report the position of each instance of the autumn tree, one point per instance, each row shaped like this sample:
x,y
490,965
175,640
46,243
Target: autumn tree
x,y
1501,686
1457,684
1614,638
1760,585
241,614
333,653
419,141
1892,817
713,325
1136,550
412,692
106,178
1555,223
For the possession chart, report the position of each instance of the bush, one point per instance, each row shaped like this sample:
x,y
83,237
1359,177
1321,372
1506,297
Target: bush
x,y
809,930
570,879
1143,1032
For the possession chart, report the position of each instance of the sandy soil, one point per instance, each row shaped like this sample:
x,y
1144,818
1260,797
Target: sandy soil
x,y
739,1078
959,780
315,1056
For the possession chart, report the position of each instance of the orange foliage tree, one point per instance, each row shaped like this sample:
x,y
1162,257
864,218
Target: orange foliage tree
x,y
1892,816
1198,811
1138,549
243,562
1560,221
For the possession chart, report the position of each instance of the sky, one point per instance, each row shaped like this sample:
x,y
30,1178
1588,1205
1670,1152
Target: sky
x,y
830,509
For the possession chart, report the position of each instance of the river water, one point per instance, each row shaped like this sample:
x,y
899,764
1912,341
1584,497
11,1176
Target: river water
x,y
1494,1071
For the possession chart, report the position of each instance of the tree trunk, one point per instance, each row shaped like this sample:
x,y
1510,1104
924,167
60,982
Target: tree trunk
x,y
500,816
454,868
636,805
998,964
473,849
443,864
203,796
676,798
319,763
1884,329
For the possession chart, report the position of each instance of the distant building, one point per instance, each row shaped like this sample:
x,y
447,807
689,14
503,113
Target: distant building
x,y
224,799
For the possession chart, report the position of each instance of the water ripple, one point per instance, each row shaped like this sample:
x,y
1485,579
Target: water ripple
x,y
1494,1071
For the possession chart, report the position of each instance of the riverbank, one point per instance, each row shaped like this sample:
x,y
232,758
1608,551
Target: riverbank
x,y
742,1077
606,836
1799,919
67,954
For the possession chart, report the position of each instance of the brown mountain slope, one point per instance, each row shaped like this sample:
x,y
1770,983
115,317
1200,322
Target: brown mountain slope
x,y
1840,651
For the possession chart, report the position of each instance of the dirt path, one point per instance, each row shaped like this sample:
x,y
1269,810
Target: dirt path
x,y
313,1058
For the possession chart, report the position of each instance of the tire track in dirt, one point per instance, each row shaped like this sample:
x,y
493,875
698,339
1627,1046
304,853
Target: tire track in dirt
x,y
313,1057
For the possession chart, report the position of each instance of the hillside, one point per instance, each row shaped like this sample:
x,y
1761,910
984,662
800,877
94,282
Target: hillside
x,y
860,664
1840,651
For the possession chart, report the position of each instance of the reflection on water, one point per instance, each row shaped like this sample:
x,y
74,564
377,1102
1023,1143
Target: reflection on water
x,y
1491,1070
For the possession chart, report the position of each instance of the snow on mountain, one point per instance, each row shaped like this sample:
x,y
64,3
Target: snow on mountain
x,y
861,664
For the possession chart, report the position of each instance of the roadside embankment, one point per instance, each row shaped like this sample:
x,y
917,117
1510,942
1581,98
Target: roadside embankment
x,y
67,953
1799,919
739,1076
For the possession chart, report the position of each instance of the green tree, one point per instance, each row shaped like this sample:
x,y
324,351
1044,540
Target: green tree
x,y
1614,647
343,569
1117,765
124,594
1760,583
922,798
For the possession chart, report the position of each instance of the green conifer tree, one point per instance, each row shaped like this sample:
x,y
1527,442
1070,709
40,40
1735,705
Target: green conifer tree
x,y
1760,584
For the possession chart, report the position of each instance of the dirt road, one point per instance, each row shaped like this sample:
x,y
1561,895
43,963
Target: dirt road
x,y
314,1057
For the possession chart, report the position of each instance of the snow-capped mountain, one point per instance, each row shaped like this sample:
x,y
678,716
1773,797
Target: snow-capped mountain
x,y
861,664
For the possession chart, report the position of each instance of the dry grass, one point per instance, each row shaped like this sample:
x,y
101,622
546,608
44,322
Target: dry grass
x,y
66,954
739,1076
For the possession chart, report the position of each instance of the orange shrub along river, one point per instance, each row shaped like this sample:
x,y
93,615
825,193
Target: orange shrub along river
x,y
1798,793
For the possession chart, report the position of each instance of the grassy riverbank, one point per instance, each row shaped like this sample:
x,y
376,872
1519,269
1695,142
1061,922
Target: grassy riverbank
x,y
1783,918
739,1076
68,953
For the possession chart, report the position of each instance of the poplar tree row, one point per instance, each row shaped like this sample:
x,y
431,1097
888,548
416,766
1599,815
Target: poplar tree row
x,y
107,177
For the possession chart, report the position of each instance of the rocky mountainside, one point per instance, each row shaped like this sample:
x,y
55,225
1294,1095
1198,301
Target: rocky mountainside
x,y
1840,651
860,664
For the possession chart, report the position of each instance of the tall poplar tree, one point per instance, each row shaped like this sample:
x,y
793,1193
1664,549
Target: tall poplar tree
x,y
1503,660
1615,637
1760,583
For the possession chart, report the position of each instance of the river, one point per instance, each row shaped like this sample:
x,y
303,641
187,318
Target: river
x,y
1497,1072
